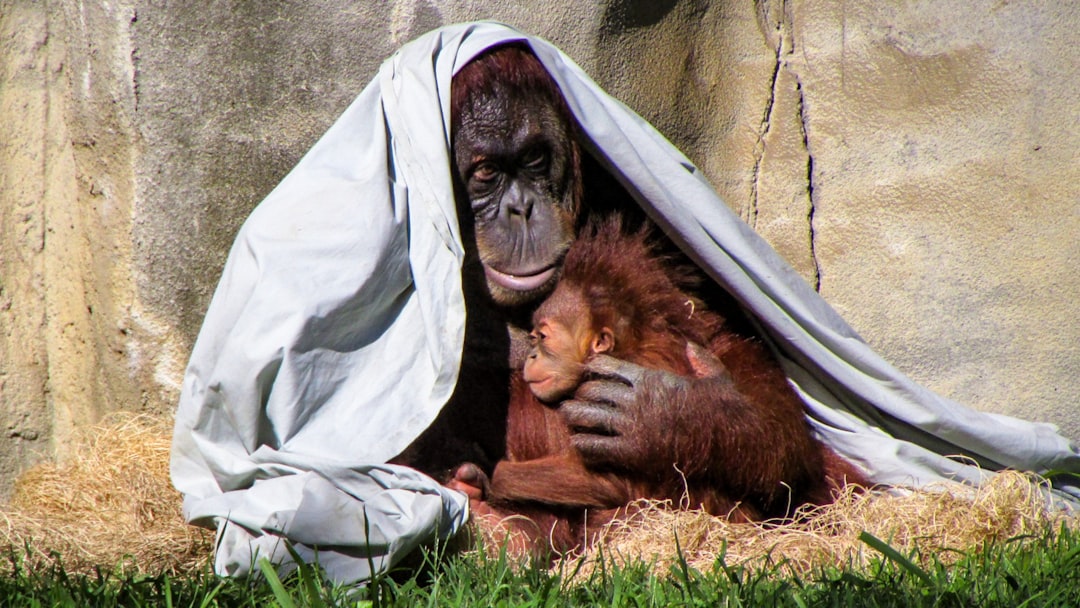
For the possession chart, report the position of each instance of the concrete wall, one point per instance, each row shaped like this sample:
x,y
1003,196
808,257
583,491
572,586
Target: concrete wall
x,y
915,161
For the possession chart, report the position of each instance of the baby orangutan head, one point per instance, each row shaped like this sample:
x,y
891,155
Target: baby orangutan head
x,y
563,338
619,297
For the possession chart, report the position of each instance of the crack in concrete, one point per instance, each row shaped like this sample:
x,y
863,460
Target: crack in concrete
x,y
809,182
134,58
784,31
765,127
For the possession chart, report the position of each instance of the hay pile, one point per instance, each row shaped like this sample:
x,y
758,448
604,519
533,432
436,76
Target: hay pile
x,y
110,505
938,523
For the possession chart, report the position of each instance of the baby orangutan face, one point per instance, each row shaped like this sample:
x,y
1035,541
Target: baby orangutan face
x,y
562,340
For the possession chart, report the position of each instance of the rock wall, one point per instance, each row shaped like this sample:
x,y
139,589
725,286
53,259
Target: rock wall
x,y
917,163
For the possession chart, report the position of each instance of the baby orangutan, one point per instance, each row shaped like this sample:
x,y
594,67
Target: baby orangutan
x,y
618,298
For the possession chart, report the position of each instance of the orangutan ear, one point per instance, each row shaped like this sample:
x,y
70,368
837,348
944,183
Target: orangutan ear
x,y
604,341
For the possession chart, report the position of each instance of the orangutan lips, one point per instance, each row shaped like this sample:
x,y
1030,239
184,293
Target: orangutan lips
x,y
519,282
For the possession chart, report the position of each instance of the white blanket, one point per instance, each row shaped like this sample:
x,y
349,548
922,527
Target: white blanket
x,y
335,334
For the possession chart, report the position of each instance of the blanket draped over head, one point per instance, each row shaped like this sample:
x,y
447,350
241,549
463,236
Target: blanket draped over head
x,y
335,334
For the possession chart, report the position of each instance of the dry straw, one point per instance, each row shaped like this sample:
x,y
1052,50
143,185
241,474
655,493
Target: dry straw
x,y
936,523
111,505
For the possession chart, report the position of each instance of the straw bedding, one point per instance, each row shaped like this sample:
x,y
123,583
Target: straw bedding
x,y
111,506
938,523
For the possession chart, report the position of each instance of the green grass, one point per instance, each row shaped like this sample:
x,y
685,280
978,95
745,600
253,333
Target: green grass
x,y
1043,571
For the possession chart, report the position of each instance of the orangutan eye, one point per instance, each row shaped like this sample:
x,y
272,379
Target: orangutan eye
x,y
536,159
485,172
484,180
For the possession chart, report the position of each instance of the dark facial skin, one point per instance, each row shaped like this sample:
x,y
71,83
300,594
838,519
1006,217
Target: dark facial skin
x,y
512,157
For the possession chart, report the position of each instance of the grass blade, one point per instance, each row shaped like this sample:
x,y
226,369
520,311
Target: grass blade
x,y
309,578
209,599
272,579
168,593
888,551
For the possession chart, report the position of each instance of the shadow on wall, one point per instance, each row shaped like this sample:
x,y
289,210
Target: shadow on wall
x,y
621,17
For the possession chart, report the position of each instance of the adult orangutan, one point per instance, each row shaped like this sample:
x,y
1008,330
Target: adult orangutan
x,y
520,188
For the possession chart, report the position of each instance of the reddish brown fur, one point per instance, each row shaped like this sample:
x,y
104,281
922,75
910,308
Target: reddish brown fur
x,y
763,472
630,289
510,71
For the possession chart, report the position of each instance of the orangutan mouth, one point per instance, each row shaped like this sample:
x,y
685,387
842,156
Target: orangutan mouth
x,y
519,282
